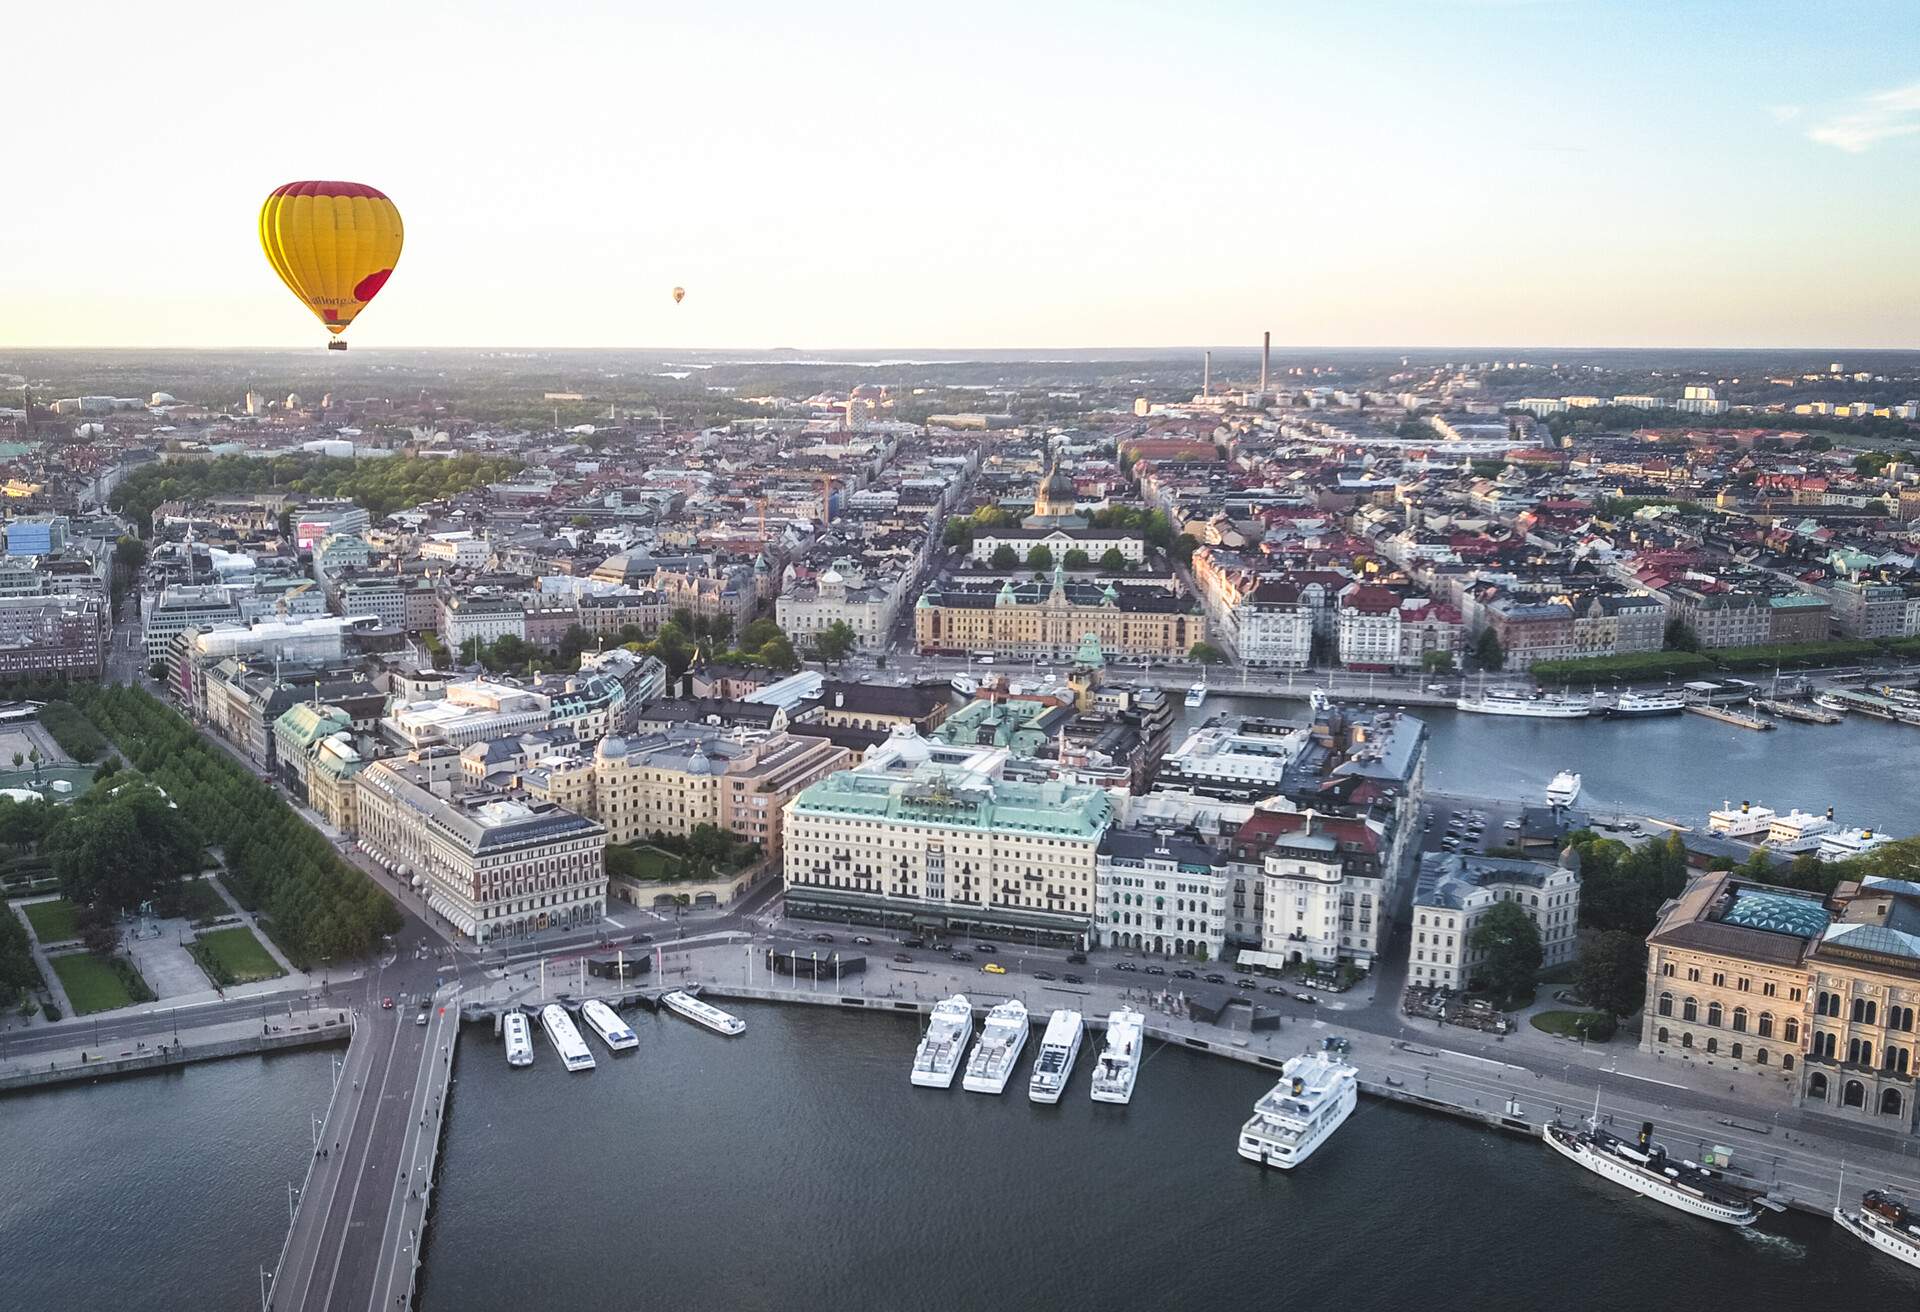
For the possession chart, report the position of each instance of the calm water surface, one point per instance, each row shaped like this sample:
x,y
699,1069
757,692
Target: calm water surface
x,y
796,1167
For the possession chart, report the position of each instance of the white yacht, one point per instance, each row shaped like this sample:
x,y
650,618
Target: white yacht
x,y
519,1039
1827,701
1564,790
1747,821
1002,1039
1885,1222
1520,703
605,1021
1634,705
1644,1167
566,1040
964,684
1197,695
1316,1093
703,1013
1798,831
949,1029
1119,1064
1059,1049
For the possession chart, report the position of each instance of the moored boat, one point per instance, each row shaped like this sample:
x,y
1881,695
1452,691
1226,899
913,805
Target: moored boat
x,y
703,1013
1526,706
1884,1221
605,1021
1564,789
1317,1092
1002,1039
949,1028
1059,1049
1644,1167
519,1036
1119,1065
566,1039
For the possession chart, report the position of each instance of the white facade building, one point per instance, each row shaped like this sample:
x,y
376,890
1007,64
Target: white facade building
x,y
1161,892
1456,890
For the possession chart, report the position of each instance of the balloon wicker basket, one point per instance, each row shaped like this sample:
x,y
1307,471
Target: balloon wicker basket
x,y
336,345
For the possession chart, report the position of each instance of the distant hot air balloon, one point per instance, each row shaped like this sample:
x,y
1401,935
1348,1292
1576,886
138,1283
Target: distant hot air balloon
x,y
334,244
679,295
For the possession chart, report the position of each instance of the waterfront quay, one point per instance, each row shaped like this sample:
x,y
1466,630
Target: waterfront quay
x,y
66,1054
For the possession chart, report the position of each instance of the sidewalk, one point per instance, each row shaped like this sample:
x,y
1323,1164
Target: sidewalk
x,y
189,1043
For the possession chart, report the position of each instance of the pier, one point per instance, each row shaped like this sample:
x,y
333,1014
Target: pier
x,y
1727,715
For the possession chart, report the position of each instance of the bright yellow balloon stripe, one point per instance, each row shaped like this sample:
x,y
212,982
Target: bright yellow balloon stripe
x,y
333,244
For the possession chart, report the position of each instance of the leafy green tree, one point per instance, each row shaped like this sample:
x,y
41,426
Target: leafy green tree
x,y
1679,637
1205,653
1113,560
1437,662
1612,972
129,553
581,521
1039,558
778,655
1487,651
835,643
1507,943
759,633
1183,547
1004,557
18,974
1076,559
119,846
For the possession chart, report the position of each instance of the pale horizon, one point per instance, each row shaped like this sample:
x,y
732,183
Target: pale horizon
x,y
1468,173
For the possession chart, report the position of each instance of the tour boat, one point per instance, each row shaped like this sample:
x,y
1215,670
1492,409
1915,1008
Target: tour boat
x,y
565,1038
1564,790
703,1013
605,1021
1059,1049
1634,705
949,1028
1197,695
1316,1094
519,1039
1002,1039
1119,1064
1886,1222
1533,708
1644,1167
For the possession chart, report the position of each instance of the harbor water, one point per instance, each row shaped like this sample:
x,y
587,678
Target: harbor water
x,y
1675,767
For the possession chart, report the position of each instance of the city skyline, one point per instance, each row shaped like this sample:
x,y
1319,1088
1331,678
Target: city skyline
x,y
1469,174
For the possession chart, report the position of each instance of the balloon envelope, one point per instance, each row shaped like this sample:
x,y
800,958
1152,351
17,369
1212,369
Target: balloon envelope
x,y
334,244
679,295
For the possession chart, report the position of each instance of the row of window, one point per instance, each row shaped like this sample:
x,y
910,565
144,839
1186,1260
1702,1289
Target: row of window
x,y
1741,983
1737,1051
1716,1016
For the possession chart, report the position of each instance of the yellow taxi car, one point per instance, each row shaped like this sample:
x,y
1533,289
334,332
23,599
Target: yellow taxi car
x,y
993,968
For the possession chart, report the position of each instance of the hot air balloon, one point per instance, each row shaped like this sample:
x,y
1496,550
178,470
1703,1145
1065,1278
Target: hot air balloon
x,y
679,295
334,244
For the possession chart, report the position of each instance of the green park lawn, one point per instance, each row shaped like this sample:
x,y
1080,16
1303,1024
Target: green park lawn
x,y
92,983
237,953
53,922
1567,1024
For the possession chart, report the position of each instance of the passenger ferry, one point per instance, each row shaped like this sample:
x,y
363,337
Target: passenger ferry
x,y
1002,1039
565,1038
1634,705
1316,1094
519,1039
1644,1167
1520,703
1885,1222
964,684
1827,701
1197,695
1059,1049
949,1029
1119,1064
605,1021
1749,822
704,1013
1564,790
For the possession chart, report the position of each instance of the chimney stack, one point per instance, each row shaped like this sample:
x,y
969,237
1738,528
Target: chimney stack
x,y
1206,374
1266,358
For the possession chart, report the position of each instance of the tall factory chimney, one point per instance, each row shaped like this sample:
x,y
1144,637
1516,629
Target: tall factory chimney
x,y
1206,374
1266,358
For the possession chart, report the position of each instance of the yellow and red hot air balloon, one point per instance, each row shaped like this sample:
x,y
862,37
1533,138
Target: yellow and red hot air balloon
x,y
334,245
679,295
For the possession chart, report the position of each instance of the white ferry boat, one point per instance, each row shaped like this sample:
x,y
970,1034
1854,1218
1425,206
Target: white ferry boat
x,y
1633,705
605,1021
1885,1222
703,1013
1002,1039
1827,701
1197,695
964,684
1645,1168
1119,1064
949,1029
1315,1095
519,1035
1746,821
1564,790
565,1038
1520,703
1798,831
1059,1049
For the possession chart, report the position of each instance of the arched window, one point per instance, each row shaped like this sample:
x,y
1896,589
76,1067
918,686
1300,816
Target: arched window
x,y
1859,1052
1890,1102
1760,1057
1686,1040
1663,1034
1792,1031
1689,1010
1666,968
1736,1052
1817,1086
1766,1024
1739,1020
1823,1045
1713,1045
1666,1004
1855,1094
1714,1014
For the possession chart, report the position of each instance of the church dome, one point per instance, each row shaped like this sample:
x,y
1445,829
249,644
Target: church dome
x,y
1057,486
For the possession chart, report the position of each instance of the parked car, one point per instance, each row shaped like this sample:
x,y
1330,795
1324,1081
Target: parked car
x,y
1076,958
1306,997
1185,974
643,938
862,940
1043,974
1511,824
1216,978
963,956
1245,984
1276,990
993,968
912,943
1156,970
986,949
901,956
1073,979
1125,965
823,938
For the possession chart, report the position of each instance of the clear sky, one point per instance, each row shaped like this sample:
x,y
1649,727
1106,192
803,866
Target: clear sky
x,y
1422,172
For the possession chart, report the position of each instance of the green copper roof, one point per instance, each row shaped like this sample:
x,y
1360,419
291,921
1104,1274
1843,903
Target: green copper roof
x,y
1781,913
935,796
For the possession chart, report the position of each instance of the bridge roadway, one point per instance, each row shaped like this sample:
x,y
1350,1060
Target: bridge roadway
x,y
355,1239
